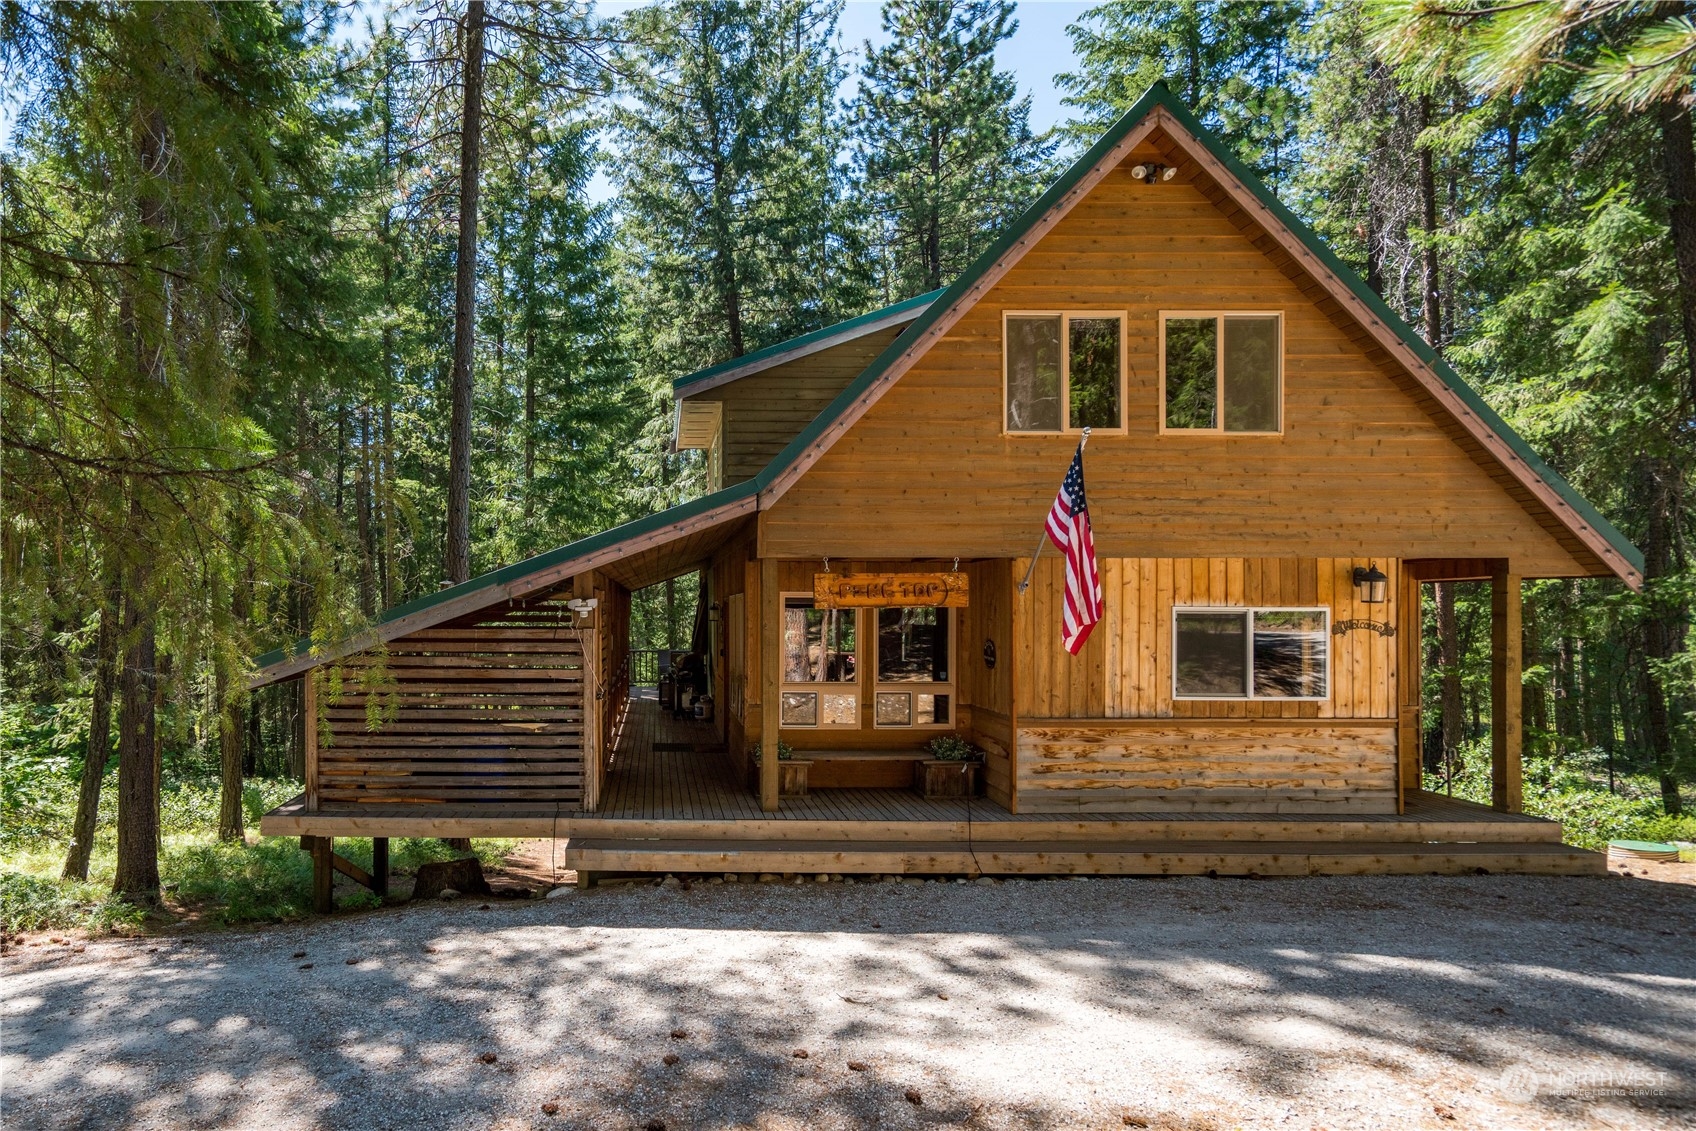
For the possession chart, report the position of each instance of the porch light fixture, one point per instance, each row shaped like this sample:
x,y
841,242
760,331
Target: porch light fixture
x,y
1148,174
1371,586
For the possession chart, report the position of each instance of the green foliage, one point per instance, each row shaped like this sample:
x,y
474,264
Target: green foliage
x,y
952,748
942,141
784,751
1232,62
34,903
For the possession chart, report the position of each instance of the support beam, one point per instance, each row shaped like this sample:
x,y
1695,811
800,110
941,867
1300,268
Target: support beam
x,y
352,871
1409,681
380,865
1506,729
323,874
771,676
309,737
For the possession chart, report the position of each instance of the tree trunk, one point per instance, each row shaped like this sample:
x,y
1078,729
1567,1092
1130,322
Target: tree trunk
x,y
1678,154
458,552
99,751
232,732
1431,307
137,876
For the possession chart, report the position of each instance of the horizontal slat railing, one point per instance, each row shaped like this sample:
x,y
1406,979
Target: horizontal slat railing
x,y
488,713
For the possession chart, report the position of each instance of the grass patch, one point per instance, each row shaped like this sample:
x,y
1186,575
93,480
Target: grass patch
x,y
1576,795
267,880
37,903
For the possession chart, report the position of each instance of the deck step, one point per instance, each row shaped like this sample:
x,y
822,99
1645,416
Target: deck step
x,y
1111,858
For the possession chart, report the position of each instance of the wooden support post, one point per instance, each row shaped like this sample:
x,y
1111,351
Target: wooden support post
x,y
1506,730
771,677
352,871
380,865
309,737
1409,750
323,874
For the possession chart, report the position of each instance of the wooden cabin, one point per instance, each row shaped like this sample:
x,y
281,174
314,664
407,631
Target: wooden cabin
x,y
1276,465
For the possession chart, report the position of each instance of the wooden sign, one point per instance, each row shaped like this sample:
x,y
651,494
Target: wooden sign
x,y
883,590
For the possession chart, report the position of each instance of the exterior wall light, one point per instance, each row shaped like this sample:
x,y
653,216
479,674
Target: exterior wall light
x,y
1371,586
1148,174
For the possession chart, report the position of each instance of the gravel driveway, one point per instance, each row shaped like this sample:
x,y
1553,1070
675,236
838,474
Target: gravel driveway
x,y
1337,1002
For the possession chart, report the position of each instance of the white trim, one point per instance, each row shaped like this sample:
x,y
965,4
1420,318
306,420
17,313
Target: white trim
x,y
1219,317
1066,315
1247,612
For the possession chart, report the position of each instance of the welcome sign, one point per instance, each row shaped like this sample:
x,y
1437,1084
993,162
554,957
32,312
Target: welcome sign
x,y
883,590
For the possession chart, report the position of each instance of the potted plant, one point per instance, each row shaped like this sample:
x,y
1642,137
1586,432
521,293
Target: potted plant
x,y
953,769
791,771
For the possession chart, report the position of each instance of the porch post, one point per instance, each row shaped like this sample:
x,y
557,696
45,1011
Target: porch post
x,y
323,874
1506,730
771,676
309,737
380,865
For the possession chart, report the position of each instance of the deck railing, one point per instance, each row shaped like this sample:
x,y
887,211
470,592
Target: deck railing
x,y
647,665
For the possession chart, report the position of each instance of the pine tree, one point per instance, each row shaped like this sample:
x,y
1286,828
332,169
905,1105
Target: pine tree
x,y
942,140
736,229
1231,61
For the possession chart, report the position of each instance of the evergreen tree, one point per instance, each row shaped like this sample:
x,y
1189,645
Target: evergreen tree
x,y
1231,61
736,230
942,140
166,220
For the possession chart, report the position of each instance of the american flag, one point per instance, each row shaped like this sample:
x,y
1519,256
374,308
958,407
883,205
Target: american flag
x,y
1068,529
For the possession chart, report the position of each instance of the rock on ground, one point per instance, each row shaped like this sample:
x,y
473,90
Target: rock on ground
x,y
1487,1001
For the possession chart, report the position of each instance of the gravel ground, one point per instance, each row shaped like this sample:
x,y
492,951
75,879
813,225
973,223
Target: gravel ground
x,y
1488,1001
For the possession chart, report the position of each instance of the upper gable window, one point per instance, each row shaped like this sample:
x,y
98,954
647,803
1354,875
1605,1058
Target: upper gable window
x,y
1065,370
1221,371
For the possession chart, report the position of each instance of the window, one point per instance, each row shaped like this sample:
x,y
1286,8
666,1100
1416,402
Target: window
x,y
1251,653
820,666
1064,371
1221,372
913,657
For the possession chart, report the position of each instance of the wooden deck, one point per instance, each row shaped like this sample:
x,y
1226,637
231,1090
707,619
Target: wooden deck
x,y
672,802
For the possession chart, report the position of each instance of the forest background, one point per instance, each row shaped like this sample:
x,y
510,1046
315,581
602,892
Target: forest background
x,y
302,319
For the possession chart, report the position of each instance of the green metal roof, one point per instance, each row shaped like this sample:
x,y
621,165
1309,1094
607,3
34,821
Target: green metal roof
x,y
799,347
928,308
518,570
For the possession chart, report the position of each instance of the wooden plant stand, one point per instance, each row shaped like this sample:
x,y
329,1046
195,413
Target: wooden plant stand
x,y
946,779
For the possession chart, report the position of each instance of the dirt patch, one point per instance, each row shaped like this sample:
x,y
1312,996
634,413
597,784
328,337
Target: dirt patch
x,y
1489,1001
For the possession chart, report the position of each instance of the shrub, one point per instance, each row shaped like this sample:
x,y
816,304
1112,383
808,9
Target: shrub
x,y
269,880
34,903
784,751
951,748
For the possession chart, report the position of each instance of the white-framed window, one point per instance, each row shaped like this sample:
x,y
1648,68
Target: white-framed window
x,y
1251,653
821,671
1063,371
1222,372
913,676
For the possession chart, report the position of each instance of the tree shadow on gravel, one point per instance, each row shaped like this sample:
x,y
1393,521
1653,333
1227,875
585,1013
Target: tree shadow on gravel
x,y
943,992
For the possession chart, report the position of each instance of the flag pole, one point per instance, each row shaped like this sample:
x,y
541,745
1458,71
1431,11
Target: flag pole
x,y
1026,583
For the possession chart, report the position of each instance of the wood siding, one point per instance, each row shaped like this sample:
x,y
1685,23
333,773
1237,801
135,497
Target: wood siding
x,y
488,712
766,410
987,693
1258,766
1362,466
1125,669
1072,753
